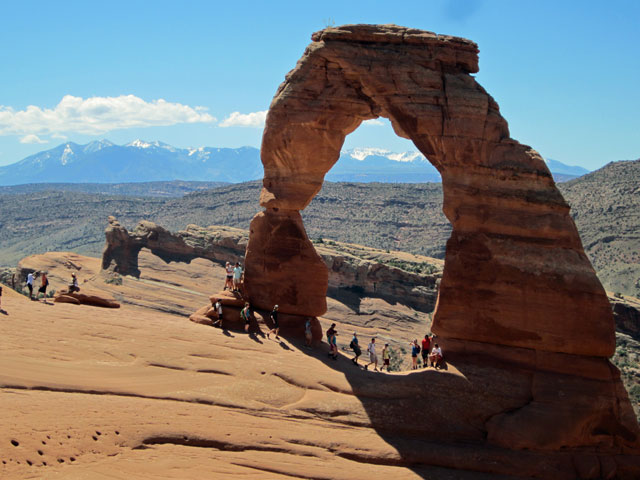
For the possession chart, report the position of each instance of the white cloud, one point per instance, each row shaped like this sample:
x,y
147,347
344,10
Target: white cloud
x,y
373,122
237,119
31,138
97,115
60,136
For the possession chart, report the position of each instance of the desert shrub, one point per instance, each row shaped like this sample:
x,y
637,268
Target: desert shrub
x,y
397,358
420,268
114,280
634,393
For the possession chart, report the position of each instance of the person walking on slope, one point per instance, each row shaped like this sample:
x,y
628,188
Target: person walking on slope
x,y
228,283
373,358
43,286
218,308
30,285
415,350
237,277
245,314
331,339
276,326
386,358
354,345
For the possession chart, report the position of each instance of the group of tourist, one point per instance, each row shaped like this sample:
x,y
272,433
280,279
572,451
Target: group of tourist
x,y
430,356
44,283
371,350
234,277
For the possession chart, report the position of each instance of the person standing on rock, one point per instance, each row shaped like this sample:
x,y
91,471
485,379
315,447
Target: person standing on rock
x,y
218,307
386,358
373,358
43,286
426,348
331,339
228,283
308,334
356,348
276,326
237,277
74,283
30,285
415,350
245,314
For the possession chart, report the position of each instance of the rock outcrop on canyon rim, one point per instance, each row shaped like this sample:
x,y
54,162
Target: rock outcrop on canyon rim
x,y
351,268
518,295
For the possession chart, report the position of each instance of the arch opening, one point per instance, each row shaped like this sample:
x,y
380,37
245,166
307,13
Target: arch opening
x,y
379,240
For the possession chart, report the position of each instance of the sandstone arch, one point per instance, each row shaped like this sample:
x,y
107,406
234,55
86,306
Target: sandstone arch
x,y
515,270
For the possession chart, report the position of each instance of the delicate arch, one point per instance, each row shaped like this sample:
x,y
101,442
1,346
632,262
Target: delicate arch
x,y
515,271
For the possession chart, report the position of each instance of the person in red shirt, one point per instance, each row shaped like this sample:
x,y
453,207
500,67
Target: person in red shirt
x,y
426,348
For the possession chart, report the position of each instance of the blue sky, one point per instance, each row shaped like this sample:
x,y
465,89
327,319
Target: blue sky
x,y
565,74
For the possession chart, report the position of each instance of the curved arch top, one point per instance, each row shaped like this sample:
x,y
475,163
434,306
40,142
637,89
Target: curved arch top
x,y
515,270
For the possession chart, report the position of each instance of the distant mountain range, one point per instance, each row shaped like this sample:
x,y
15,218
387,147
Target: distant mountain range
x,y
104,162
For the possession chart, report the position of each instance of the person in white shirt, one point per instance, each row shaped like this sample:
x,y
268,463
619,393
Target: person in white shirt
x,y
228,283
30,285
237,277
218,308
373,358
436,356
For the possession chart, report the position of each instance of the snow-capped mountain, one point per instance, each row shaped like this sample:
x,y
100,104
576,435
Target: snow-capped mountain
x,y
380,165
138,161
141,161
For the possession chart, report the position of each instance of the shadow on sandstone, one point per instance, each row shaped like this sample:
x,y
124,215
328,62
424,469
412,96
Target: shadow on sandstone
x,y
492,412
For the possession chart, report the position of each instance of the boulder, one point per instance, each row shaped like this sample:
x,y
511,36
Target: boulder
x,y
86,297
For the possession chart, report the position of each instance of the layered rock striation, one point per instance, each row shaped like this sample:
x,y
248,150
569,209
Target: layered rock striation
x,y
519,299
514,257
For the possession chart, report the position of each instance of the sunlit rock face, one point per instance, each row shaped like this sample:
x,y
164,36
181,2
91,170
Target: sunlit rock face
x,y
518,294
515,273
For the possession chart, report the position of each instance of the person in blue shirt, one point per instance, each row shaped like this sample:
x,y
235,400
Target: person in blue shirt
x,y
415,351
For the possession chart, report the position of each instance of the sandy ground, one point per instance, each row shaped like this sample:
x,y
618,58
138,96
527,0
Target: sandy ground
x,y
93,393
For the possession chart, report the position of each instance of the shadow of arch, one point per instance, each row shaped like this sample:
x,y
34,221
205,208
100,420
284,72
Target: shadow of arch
x,y
520,311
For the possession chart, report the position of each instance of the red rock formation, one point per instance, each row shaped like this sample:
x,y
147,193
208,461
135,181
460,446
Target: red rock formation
x,y
515,270
121,248
86,297
518,300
